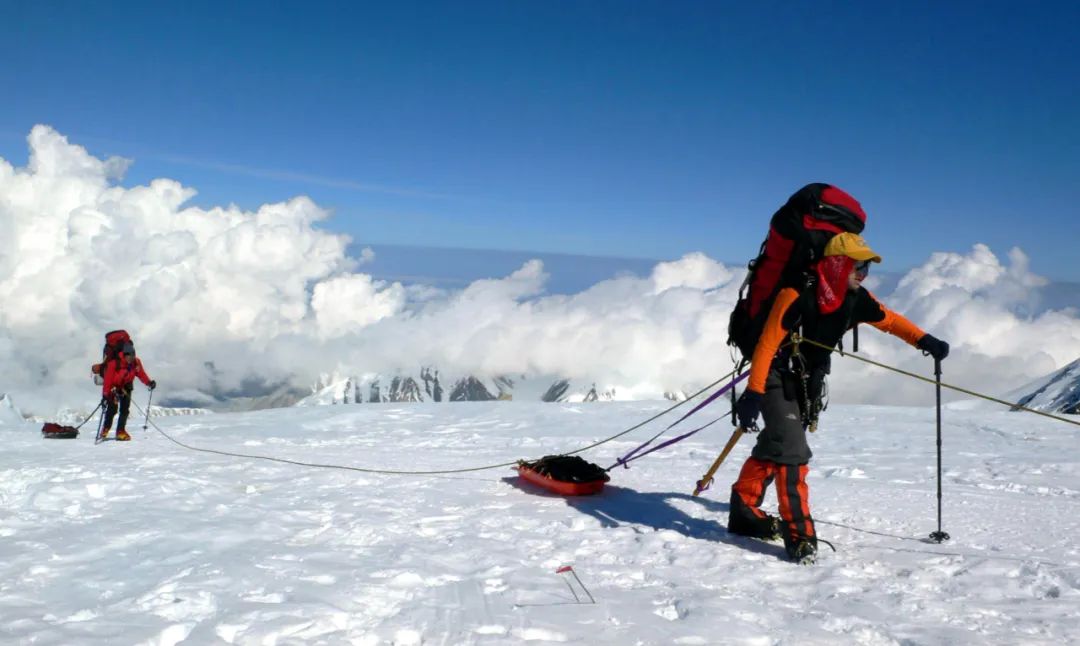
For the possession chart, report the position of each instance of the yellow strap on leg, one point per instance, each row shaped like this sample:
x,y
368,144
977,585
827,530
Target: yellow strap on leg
x,y
706,480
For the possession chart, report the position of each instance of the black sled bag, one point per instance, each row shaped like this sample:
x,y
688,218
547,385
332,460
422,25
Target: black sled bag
x,y
51,431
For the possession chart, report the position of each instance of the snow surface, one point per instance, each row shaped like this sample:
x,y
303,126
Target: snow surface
x,y
150,543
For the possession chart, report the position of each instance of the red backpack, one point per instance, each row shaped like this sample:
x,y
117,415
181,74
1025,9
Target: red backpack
x,y
798,233
114,341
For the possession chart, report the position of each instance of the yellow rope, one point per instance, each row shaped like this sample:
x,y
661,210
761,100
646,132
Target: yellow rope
x,y
797,338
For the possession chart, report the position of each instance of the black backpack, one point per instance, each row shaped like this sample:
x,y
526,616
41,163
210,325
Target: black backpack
x,y
798,233
568,468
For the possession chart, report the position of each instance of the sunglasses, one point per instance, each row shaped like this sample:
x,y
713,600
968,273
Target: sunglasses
x,y
862,268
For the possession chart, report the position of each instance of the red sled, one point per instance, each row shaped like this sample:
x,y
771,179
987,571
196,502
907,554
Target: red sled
x,y
564,475
51,431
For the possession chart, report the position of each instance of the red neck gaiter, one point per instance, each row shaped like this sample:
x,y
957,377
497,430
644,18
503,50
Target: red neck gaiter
x,y
832,284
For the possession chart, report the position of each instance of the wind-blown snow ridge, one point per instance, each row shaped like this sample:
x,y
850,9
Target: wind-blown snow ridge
x,y
1057,393
9,414
148,543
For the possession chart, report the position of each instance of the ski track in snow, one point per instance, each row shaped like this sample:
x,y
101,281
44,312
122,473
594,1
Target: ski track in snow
x,y
149,543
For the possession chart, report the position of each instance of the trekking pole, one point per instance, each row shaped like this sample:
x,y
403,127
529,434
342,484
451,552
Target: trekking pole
x,y
706,479
148,400
101,422
88,417
938,536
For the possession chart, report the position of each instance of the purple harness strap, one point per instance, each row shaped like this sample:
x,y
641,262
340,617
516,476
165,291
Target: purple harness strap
x,y
632,455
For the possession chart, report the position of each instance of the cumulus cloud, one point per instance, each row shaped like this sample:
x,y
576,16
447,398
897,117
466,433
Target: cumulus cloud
x,y
984,309
222,299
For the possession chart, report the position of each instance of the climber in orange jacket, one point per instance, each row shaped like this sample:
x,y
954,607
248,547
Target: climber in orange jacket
x,y
786,387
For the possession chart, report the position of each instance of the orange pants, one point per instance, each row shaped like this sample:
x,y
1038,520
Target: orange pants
x,y
793,496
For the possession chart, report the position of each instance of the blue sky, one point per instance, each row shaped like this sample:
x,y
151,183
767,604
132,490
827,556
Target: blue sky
x,y
627,129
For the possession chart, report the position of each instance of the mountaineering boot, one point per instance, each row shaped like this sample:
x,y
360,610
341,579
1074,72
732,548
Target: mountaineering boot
x,y
805,553
122,435
774,530
104,433
767,528
746,521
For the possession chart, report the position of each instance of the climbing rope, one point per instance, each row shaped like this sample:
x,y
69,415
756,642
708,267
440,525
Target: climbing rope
x,y
1015,406
92,413
431,472
795,339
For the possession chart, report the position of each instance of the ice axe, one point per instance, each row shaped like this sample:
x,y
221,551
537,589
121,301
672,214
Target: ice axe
x,y
706,480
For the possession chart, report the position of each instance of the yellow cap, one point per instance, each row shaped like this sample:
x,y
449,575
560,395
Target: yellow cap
x,y
851,245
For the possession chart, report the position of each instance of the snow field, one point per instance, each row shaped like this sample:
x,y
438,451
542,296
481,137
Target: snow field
x,y
149,543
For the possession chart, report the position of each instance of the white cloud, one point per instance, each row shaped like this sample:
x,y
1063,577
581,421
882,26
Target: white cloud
x,y
265,294
344,303
981,307
694,270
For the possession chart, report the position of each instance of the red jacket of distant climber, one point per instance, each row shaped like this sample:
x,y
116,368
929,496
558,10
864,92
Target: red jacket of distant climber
x,y
120,374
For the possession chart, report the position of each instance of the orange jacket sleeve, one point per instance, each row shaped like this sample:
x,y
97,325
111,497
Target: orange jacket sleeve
x,y
769,341
898,326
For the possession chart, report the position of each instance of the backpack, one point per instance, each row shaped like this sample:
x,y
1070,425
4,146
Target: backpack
x,y
114,342
568,468
798,233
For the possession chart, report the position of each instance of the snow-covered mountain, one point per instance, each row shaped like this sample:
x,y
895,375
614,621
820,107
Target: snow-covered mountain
x,y
1058,392
430,385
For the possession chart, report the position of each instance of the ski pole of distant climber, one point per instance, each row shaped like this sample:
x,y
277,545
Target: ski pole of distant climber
x,y
706,479
101,422
147,419
938,536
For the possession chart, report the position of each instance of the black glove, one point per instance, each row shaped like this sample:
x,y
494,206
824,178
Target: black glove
x,y
933,346
747,409
152,384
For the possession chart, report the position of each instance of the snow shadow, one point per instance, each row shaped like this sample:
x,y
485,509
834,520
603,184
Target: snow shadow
x,y
658,510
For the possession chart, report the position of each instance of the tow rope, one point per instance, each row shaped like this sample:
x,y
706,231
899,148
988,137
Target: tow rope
x,y
633,428
401,472
632,455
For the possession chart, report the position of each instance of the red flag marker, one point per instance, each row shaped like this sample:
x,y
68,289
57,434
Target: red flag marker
x,y
567,568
